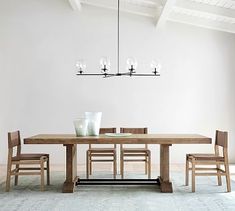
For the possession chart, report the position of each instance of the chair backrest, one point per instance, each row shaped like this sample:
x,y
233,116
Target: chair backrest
x,y
221,140
106,130
14,141
143,130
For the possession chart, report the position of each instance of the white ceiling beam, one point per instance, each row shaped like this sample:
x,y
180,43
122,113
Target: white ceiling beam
x,y
165,13
158,12
203,15
132,9
144,2
220,3
75,4
206,8
139,9
201,22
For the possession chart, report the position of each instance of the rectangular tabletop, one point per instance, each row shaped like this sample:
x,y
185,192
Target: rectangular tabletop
x,y
133,139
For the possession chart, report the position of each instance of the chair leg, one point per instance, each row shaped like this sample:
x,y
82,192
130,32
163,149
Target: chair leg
x,y
146,164
122,166
114,166
186,171
193,176
218,175
87,165
226,166
8,179
149,165
90,164
17,176
42,175
48,171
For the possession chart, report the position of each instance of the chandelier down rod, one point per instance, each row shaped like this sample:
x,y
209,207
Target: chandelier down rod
x,y
105,67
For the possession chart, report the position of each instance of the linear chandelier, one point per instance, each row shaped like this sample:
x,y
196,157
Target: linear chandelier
x,y
105,63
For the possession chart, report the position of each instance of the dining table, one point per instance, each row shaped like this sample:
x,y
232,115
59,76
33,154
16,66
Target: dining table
x,y
71,141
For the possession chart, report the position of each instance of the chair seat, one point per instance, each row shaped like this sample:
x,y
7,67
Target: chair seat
x,y
27,156
205,157
135,150
102,150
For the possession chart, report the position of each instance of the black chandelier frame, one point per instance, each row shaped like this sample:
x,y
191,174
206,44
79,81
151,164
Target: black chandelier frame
x,y
104,70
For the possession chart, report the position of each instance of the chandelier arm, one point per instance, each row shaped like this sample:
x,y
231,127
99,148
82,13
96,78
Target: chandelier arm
x,y
89,74
140,74
134,74
94,74
109,76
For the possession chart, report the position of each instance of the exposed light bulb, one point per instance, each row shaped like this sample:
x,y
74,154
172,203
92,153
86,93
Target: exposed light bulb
x,y
156,66
81,66
105,64
131,64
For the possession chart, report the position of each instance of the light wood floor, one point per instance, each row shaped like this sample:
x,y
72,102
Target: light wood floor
x,y
134,167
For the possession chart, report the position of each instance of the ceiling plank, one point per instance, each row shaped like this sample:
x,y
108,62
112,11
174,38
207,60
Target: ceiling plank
x,y
149,3
206,8
201,22
75,4
128,8
165,13
203,15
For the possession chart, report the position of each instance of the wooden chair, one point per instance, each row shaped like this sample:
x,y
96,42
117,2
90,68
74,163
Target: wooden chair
x,y
94,152
221,141
145,153
18,159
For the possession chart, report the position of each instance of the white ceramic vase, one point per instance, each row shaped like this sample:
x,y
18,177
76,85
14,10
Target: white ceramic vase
x,y
94,120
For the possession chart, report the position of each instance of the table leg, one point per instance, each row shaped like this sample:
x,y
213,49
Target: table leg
x,y
71,168
165,184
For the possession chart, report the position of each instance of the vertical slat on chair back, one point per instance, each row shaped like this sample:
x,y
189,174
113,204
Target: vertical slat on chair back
x,y
14,139
143,130
106,130
221,138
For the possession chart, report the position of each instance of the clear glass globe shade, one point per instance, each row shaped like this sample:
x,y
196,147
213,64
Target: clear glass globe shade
x,y
81,64
155,65
131,62
105,61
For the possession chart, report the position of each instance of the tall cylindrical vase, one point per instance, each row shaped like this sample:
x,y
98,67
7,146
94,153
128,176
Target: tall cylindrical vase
x,y
94,120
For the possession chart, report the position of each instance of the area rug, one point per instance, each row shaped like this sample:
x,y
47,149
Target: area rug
x,y
28,197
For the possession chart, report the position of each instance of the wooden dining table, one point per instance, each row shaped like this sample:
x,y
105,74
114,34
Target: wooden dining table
x,y
70,142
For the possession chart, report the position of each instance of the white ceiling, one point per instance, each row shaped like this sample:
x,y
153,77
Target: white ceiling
x,y
213,14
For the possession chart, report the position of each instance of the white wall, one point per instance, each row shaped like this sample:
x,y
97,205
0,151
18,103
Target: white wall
x,y
41,40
